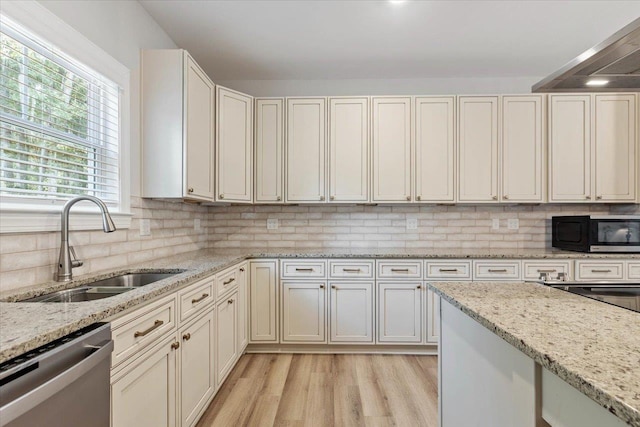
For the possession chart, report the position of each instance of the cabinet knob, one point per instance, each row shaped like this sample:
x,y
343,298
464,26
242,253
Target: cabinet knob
x,y
494,197
242,269
221,196
278,198
418,287
333,287
598,197
186,336
588,197
506,197
418,198
230,301
175,346
321,286
322,198
332,197
409,198
190,190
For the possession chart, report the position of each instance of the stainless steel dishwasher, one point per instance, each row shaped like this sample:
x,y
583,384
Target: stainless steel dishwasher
x,y
64,383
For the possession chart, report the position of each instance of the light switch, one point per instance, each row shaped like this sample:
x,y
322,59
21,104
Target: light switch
x,y
196,225
412,223
272,224
495,224
513,224
145,227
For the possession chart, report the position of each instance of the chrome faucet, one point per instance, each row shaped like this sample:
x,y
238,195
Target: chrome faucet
x,y
67,259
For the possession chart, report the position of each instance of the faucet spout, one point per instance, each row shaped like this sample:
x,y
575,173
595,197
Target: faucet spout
x,y
66,262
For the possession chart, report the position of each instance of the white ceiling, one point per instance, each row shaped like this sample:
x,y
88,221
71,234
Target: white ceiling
x,y
264,40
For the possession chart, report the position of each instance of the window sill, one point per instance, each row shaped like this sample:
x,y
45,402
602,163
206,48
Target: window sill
x,y
23,220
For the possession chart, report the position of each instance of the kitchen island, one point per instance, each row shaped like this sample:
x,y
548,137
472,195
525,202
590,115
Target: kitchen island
x,y
531,342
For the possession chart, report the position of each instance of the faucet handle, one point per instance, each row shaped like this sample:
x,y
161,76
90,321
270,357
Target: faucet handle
x,y
75,262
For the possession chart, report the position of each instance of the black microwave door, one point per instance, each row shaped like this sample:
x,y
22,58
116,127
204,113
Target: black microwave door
x,y
570,233
615,232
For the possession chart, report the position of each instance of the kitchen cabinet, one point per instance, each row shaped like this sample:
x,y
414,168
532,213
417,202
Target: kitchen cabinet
x,y
496,270
197,367
263,279
435,149
531,269
234,148
269,150
144,394
349,149
400,312
306,146
391,146
478,142
432,311
351,312
178,112
303,315
523,149
226,336
600,270
243,308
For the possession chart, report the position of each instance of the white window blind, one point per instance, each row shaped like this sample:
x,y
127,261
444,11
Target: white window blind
x,y
59,124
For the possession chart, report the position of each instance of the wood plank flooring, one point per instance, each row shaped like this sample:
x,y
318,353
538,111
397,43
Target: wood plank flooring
x,y
327,390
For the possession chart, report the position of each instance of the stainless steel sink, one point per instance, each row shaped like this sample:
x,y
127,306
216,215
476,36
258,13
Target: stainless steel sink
x,y
104,288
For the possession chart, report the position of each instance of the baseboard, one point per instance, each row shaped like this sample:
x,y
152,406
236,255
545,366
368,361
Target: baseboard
x,y
431,350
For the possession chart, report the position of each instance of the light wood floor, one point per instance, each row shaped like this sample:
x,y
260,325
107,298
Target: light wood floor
x,y
327,390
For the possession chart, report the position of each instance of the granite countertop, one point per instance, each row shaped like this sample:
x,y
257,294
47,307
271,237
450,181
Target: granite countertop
x,y
593,346
25,326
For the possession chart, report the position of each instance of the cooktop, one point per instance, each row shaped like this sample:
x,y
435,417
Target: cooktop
x,y
621,294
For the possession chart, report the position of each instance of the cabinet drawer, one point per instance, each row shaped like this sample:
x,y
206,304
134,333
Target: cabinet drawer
x,y
445,270
531,270
633,270
492,270
308,268
195,298
360,269
589,270
400,269
226,281
141,328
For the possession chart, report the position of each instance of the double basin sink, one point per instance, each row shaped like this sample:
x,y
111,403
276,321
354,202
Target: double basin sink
x,y
103,288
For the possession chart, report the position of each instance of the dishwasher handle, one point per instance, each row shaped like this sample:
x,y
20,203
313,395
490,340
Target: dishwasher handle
x,y
35,397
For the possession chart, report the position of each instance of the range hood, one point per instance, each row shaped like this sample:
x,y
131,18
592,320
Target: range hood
x,y
614,64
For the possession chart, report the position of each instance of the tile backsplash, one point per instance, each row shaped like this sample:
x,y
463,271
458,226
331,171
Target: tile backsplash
x,y
29,258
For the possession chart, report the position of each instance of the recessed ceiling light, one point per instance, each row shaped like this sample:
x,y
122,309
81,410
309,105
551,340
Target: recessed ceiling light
x,y
396,2
597,82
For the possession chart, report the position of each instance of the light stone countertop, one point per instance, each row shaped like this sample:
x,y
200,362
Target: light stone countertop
x,y
593,346
25,326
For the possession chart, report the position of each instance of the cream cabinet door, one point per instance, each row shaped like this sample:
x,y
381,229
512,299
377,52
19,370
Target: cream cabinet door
x,y
399,312
264,300
226,336
523,154
144,394
269,150
478,149
349,149
306,150
351,308
435,149
614,153
570,148
432,311
303,311
199,133
243,308
391,149
234,148
197,367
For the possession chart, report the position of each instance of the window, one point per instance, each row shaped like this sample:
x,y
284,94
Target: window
x,y
59,124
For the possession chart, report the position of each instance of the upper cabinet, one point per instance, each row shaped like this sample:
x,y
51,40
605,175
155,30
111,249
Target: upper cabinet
x,y
269,150
234,148
391,145
349,149
306,147
478,149
435,149
177,127
593,143
523,149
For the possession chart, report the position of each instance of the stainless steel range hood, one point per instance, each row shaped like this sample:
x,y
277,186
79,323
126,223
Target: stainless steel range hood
x,y
615,61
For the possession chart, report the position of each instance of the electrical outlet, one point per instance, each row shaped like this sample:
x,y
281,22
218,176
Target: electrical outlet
x,y
272,224
196,225
513,224
412,223
145,227
495,224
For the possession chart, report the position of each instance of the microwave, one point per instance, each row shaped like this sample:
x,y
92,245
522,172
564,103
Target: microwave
x,y
596,233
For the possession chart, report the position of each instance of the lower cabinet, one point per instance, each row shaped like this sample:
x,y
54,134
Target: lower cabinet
x,y
432,312
226,336
243,308
263,293
400,312
351,312
303,311
144,393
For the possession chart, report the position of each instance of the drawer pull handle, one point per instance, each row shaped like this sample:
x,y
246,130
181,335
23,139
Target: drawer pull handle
x,y
400,270
497,270
448,270
304,269
351,270
228,281
601,271
186,336
155,326
197,300
551,270
175,346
